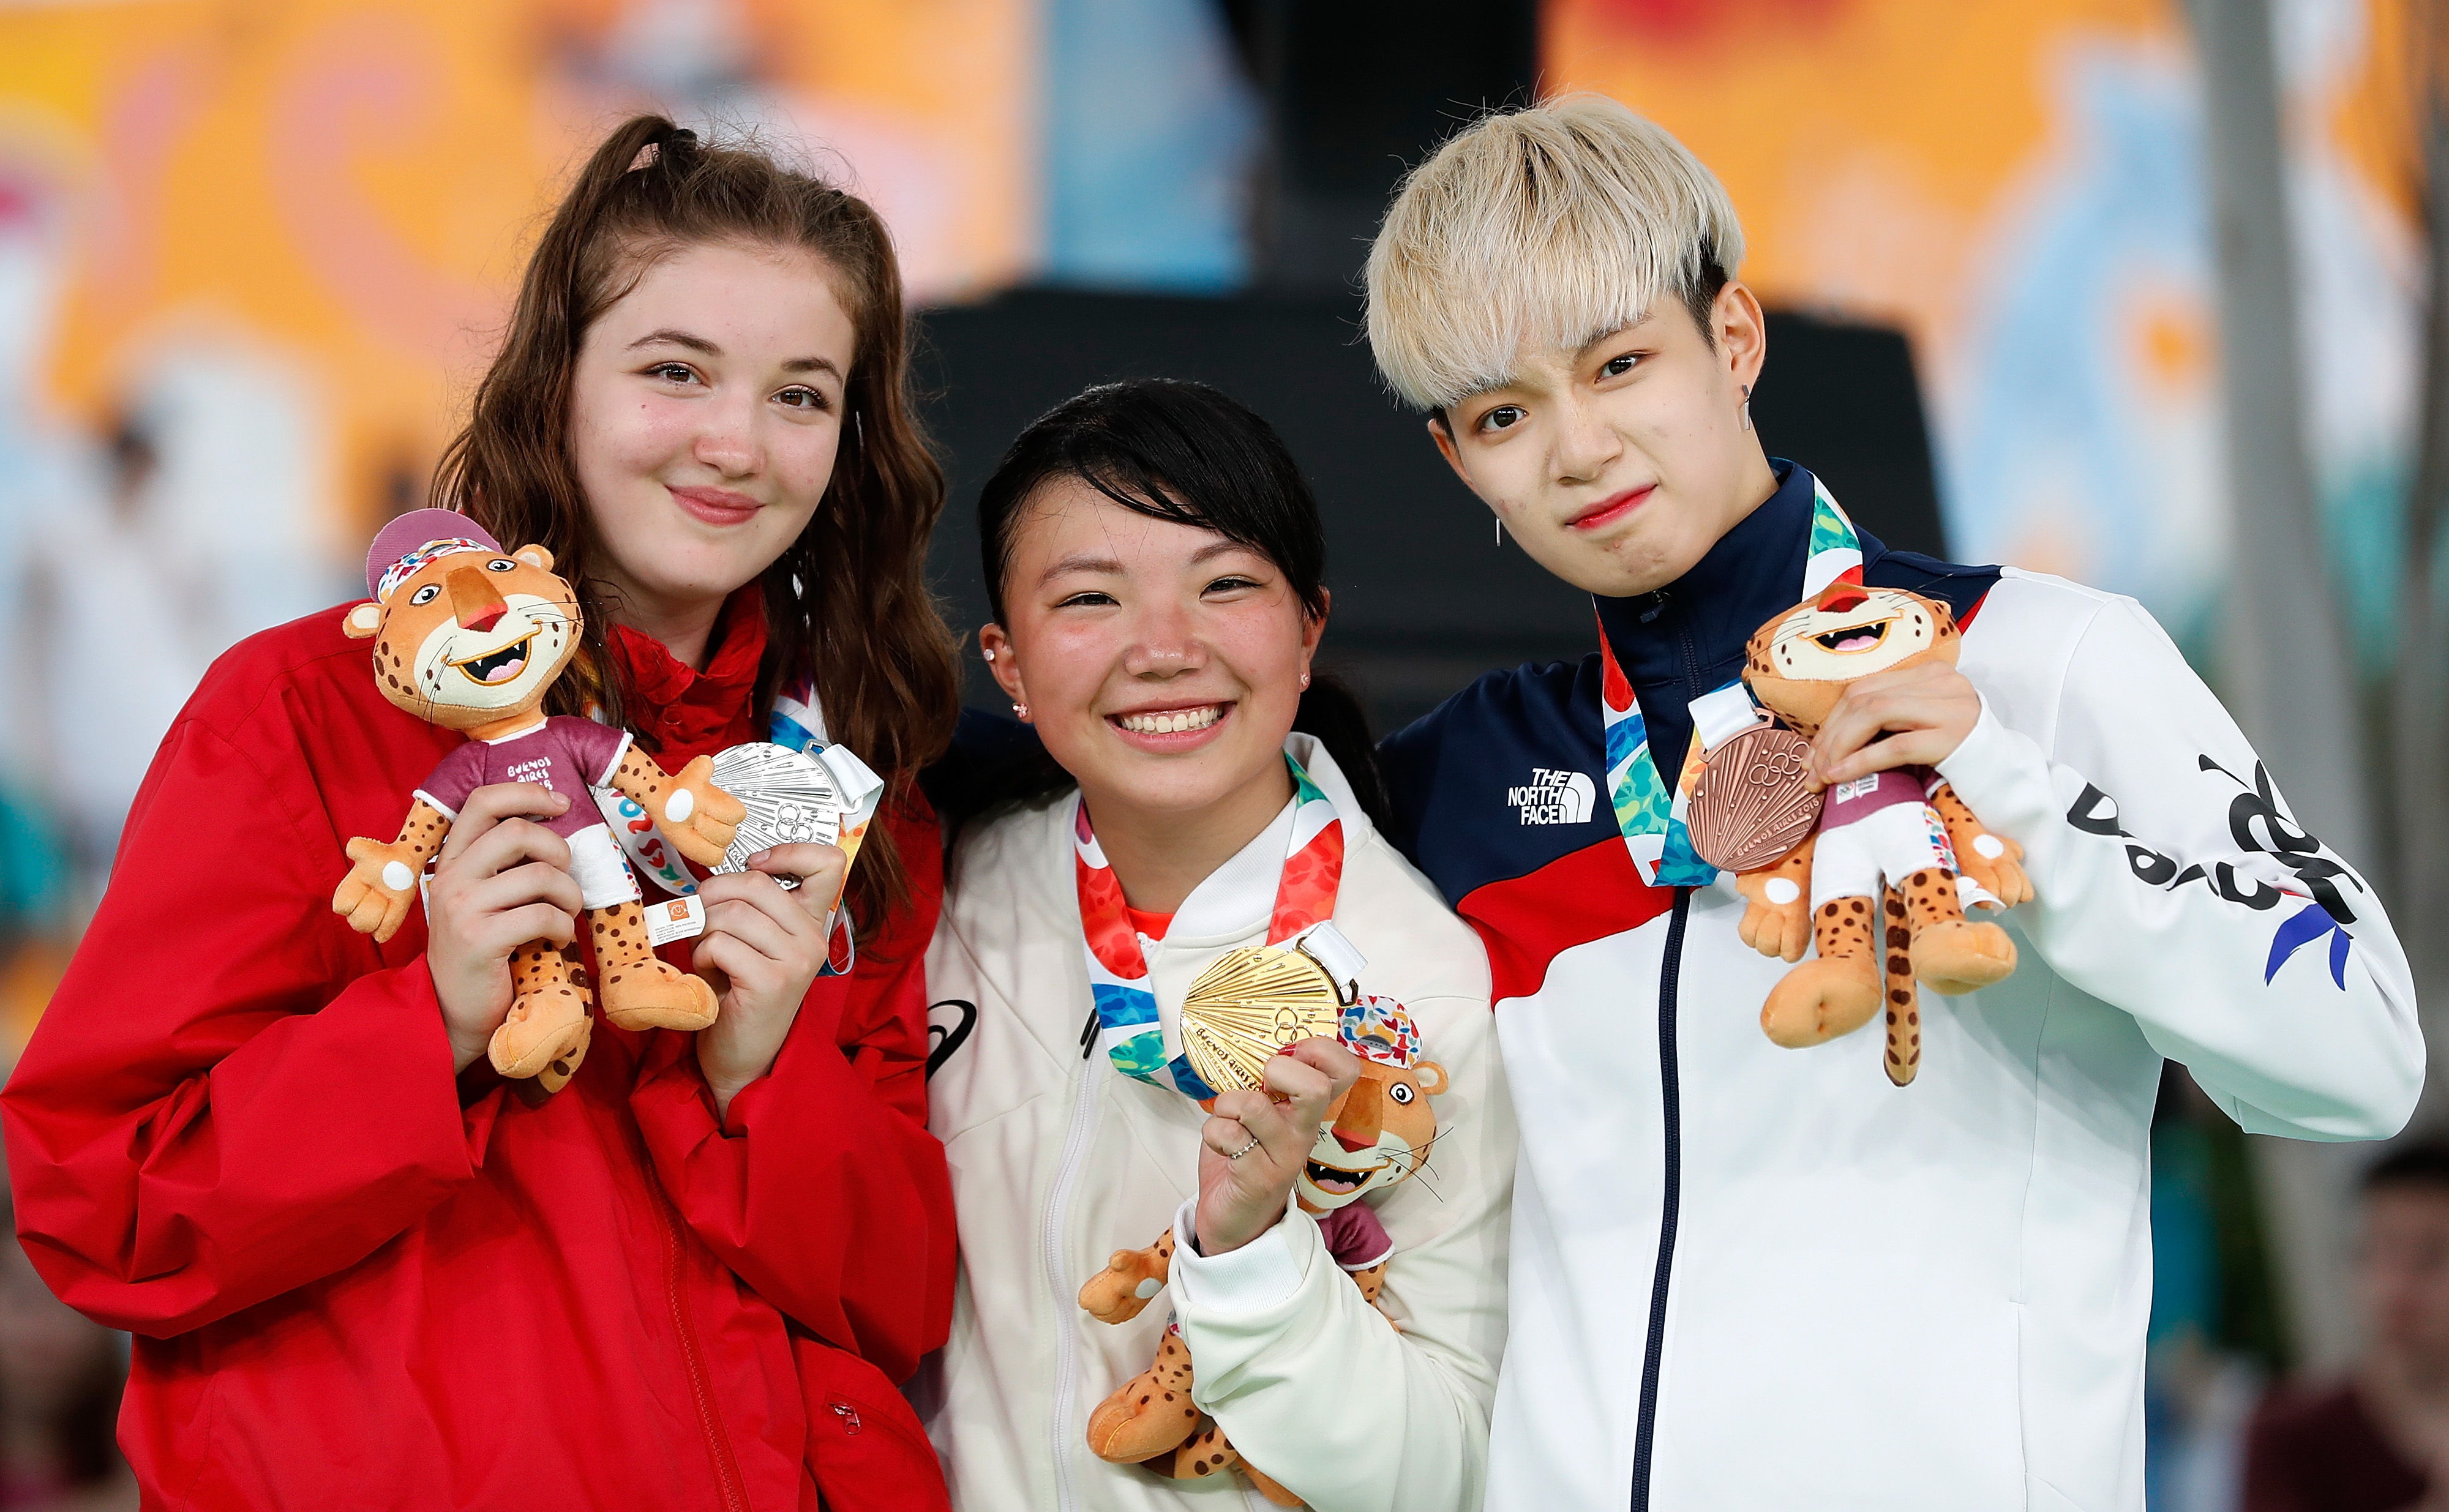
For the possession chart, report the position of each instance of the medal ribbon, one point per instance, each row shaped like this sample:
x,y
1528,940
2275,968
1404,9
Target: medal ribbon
x,y
1127,1026
1649,814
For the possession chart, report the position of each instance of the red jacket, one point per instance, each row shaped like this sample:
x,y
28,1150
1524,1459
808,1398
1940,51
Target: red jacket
x,y
237,1133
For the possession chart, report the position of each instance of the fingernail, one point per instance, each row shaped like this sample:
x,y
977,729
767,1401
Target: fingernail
x,y
762,854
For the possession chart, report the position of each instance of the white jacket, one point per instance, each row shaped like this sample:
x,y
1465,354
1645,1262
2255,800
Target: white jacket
x,y
1058,1160
1759,1279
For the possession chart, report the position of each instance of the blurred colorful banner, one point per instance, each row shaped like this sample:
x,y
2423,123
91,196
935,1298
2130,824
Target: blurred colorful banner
x,y
2020,184
325,201
253,255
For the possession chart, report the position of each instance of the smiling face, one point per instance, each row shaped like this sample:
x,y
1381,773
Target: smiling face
x,y
705,413
1799,662
472,639
1617,465
1161,663
1374,1136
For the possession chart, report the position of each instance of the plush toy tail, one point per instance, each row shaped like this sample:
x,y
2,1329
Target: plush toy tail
x,y
1904,1057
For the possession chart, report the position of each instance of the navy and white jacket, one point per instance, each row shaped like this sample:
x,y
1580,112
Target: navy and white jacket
x,y
1750,1278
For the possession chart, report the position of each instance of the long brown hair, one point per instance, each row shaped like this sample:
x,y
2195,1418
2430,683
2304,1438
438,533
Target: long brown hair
x,y
847,601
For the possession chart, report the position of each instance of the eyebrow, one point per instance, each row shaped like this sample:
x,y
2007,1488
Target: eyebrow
x,y
1613,334
692,342
1092,562
1078,561
671,337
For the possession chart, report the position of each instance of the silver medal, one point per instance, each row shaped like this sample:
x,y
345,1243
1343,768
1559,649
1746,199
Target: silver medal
x,y
790,797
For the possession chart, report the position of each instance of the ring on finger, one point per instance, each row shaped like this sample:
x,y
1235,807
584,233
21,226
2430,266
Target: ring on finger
x,y
1245,1149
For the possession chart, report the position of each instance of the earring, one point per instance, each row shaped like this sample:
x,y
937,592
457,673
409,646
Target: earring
x,y
1500,532
1747,406
1020,710
991,655
1304,681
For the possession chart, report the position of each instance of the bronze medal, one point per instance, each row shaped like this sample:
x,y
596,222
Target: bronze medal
x,y
1752,805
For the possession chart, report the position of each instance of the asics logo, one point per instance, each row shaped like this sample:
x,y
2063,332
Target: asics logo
x,y
1554,797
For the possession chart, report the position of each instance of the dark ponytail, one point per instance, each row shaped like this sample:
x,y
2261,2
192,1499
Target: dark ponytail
x,y
1184,452
1330,712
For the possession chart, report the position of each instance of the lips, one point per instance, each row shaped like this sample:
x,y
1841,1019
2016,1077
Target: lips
x,y
497,667
1171,721
1855,637
715,505
1612,509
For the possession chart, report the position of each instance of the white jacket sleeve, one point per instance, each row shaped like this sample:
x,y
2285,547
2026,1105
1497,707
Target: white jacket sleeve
x,y
2174,883
1316,1387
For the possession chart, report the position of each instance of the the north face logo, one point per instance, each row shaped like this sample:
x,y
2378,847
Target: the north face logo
x,y
1554,797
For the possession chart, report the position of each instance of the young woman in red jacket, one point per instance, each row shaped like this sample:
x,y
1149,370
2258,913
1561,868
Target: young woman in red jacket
x,y
360,1272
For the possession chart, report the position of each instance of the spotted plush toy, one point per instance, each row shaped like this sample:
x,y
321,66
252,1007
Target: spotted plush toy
x,y
1880,890
1374,1136
469,636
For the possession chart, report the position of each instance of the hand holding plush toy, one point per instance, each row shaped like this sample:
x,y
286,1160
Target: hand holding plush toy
x,y
1878,883
1374,1136
469,636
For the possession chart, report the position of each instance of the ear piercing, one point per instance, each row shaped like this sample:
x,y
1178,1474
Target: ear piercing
x,y
1748,405
1500,532
1305,680
990,654
1020,710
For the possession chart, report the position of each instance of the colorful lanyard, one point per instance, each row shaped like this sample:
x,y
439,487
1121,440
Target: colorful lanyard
x,y
1118,973
1651,818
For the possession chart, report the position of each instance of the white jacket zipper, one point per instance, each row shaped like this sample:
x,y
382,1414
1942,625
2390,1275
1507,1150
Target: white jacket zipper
x,y
1066,1437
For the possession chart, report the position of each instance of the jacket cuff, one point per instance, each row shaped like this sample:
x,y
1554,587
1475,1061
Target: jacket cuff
x,y
2000,773
1260,1274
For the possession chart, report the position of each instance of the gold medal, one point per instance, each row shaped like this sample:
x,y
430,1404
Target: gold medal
x,y
1251,1004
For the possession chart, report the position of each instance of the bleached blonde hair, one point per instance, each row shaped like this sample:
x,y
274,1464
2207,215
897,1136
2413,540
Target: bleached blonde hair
x,y
1541,228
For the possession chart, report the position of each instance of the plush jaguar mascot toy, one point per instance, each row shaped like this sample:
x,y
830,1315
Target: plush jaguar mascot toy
x,y
1880,887
1374,1136
469,636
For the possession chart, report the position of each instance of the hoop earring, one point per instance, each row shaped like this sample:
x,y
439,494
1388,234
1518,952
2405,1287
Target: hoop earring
x,y
1747,406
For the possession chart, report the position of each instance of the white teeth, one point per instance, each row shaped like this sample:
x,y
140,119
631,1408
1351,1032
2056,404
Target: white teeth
x,y
1173,721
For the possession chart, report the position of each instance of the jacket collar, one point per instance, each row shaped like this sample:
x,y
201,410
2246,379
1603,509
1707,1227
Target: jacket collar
x,y
681,710
1753,571
1688,639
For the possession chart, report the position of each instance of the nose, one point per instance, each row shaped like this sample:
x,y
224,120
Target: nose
x,y
1163,644
1841,597
1363,1115
1585,445
474,603
728,442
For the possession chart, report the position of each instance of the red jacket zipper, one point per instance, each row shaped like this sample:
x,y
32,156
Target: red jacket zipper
x,y
726,1470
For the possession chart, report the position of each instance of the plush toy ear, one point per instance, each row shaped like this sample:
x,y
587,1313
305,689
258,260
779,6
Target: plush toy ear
x,y
362,622
535,556
1431,1076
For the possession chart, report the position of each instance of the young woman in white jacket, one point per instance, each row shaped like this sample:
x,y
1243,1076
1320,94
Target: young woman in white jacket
x,y
1155,562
